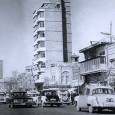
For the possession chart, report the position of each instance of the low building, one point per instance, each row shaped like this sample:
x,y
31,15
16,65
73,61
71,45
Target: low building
x,y
95,66
25,80
111,64
61,75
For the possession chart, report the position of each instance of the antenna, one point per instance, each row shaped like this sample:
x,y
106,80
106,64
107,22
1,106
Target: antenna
x,y
110,33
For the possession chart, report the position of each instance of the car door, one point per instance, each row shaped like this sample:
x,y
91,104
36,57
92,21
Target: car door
x,y
83,98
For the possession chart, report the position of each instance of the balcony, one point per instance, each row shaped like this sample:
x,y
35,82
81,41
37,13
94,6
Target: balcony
x,y
93,66
38,19
40,49
39,60
38,29
39,39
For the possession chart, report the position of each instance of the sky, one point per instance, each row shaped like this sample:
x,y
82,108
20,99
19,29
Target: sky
x,y
88,19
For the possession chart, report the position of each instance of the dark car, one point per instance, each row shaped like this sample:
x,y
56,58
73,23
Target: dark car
x,y
20,99
50,97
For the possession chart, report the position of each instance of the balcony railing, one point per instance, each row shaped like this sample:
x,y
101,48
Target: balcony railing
x,y
93,65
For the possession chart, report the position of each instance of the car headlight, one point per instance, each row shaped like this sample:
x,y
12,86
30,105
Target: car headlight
x,y
109,100
97,100
30,100
15,100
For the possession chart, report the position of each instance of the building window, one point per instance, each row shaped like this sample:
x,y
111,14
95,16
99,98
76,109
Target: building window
x,y
41,34
102,53
42,44
42,65
41,14
67,79
58,6
41,54
41,24
102,60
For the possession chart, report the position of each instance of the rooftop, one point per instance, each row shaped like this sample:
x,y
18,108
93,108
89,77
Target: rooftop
x,y
97,44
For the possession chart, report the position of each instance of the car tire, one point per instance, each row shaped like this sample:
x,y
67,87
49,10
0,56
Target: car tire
x,y
100,110
78,108
91,109
114,110
51,105
58,105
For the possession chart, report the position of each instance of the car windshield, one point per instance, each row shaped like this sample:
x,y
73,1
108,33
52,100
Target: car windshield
x,y
102,91
45,93
33,95
2,95
19,94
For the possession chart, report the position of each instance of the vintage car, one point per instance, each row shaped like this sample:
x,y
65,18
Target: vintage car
x,y
36,98
50,97
64,96
2,97
96,97
20,98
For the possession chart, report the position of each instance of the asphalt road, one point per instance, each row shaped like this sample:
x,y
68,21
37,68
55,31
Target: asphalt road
x,y
63,110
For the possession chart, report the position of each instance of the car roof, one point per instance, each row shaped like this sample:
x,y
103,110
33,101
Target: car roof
x,y
2,92
19,92
97,86
48,90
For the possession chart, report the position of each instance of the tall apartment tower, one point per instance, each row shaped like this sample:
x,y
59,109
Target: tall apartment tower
x,y
1,69
52,34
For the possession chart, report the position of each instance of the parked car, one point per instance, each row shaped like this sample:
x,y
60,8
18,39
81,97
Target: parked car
x,y
64,96
2,97
96,97
20,98
36,98
50,97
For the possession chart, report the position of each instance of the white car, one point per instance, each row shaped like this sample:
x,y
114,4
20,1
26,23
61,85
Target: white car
x,y
2,97
96,97
36,98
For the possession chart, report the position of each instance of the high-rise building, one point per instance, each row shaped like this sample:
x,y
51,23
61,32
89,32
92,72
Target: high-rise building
x,y
1,69
52,35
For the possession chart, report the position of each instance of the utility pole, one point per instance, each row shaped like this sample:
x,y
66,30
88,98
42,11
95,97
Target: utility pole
x,y
111,31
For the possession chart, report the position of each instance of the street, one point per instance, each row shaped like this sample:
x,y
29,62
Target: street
x,y
63,110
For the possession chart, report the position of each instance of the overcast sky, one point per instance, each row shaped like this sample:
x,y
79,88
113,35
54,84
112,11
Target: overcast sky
x,y
89,18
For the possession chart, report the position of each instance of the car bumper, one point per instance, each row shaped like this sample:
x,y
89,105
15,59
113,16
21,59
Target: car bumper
x,y
23,104
55,103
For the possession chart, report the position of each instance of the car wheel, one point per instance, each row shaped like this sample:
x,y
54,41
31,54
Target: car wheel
x,y
78,108
58,105
51,105
100,110
114,110
91,109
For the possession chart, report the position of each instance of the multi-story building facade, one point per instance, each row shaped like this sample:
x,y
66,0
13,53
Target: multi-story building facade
x,y
52,35
25,80
95,66
1,69
111,64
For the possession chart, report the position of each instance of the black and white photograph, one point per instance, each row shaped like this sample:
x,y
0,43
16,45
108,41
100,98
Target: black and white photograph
x,y
57,57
